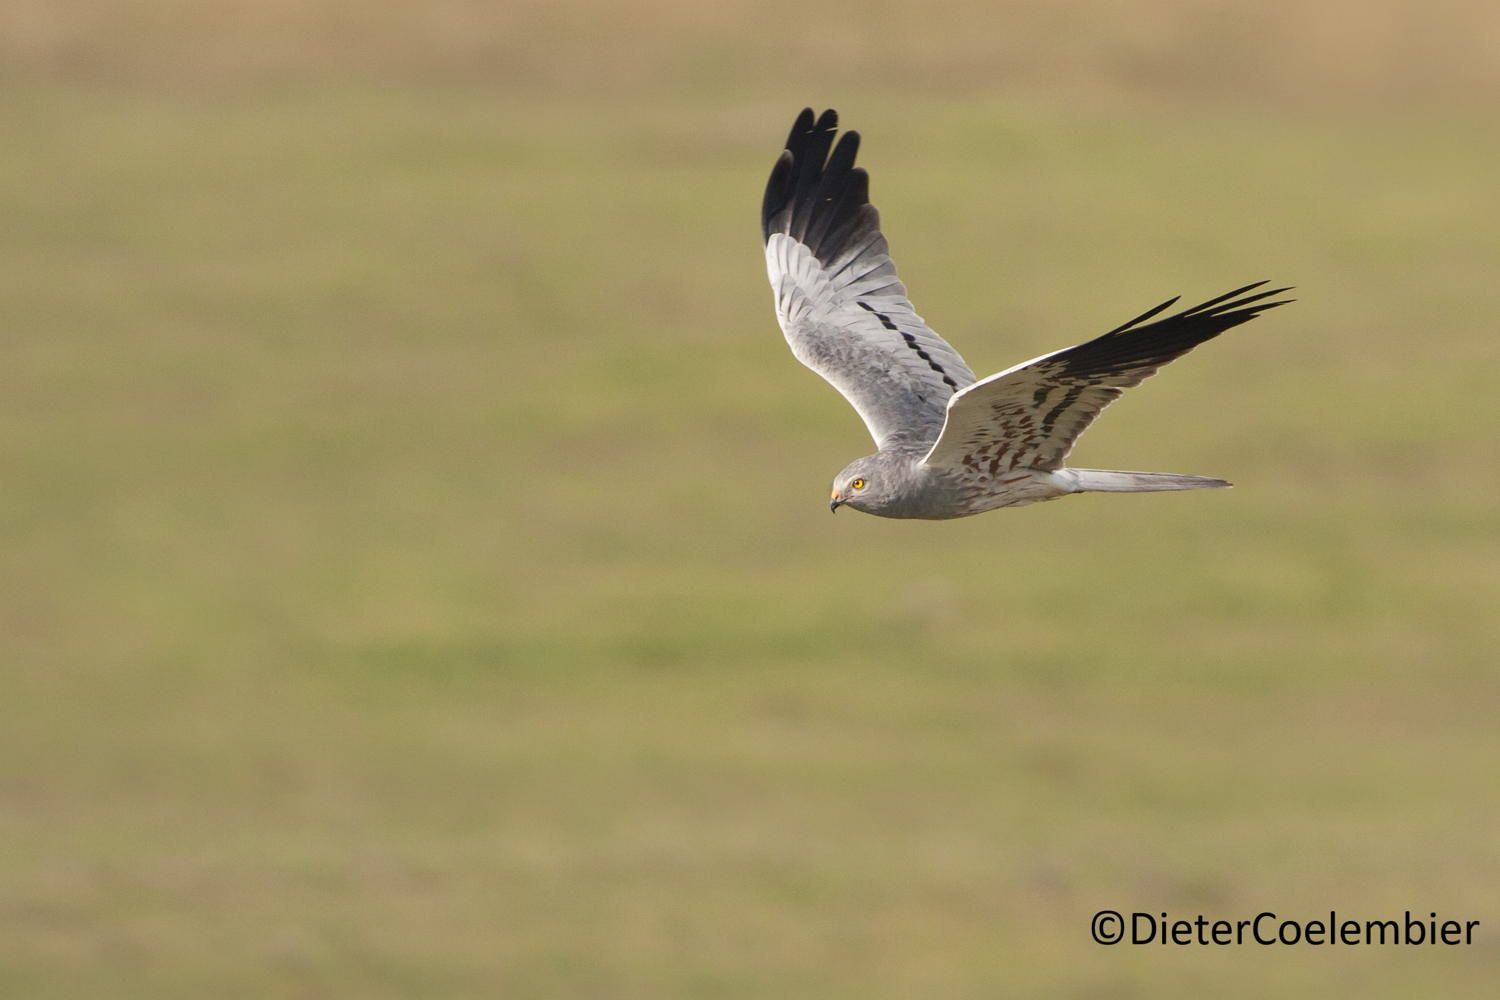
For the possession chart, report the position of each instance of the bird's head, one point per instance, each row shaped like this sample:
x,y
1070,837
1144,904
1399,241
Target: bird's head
x,y
867,484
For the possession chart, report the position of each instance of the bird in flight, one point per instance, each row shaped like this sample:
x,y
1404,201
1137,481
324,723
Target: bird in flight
x,y
948,445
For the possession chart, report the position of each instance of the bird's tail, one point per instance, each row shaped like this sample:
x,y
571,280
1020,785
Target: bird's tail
x,y
1102,481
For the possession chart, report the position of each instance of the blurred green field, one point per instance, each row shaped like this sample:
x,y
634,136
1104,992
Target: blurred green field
x,y
419,574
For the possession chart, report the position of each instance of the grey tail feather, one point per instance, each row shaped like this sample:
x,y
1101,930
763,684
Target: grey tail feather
x,y
1103,481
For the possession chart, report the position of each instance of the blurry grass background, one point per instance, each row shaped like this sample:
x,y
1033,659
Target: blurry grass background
x,y
418,573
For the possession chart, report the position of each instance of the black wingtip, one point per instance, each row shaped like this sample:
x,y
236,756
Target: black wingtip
x,y
1222,305
1209,305
810,123
1235,302
1145,316
803,123
777,191
1139,344
815,193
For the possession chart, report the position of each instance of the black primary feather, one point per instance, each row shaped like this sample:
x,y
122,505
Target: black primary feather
x,y
1133,345
816,194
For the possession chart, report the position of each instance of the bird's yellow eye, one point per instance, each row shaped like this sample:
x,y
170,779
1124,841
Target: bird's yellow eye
x,y
857,484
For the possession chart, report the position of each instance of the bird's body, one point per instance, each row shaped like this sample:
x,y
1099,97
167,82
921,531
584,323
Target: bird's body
x,y
949,445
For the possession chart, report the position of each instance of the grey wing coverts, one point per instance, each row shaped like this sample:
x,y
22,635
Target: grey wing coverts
x,y
843,309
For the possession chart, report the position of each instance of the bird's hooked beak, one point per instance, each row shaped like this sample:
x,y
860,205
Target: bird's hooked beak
x,y
834,501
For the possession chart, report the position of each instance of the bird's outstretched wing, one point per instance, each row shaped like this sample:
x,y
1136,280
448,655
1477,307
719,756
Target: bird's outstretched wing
x,y
1030,415
839,302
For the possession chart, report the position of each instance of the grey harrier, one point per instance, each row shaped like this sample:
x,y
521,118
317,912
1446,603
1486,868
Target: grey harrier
x,y
949,445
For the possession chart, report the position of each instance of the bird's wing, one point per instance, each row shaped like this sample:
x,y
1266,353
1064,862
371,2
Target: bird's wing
x,y
1029,416
839,302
